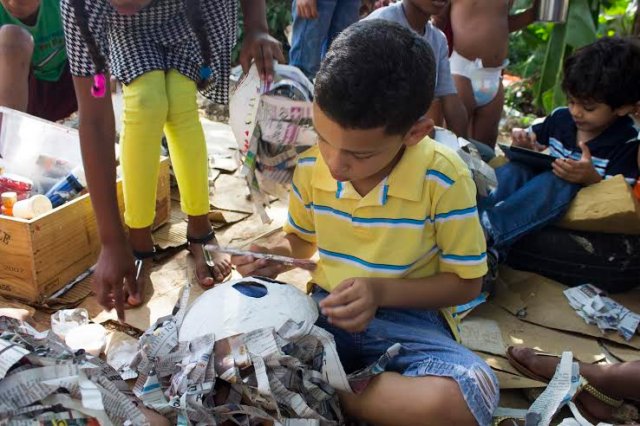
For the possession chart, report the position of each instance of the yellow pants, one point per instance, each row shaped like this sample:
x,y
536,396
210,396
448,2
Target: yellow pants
x,y
160,101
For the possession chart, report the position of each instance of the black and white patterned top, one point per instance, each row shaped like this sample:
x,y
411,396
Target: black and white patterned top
x,y
159,37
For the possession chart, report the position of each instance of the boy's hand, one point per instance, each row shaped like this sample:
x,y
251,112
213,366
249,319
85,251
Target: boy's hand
x,y
524,139
307,9
351,305
249,265
581,171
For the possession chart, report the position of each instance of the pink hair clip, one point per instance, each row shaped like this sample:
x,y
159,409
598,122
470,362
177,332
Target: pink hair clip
x,y
99,88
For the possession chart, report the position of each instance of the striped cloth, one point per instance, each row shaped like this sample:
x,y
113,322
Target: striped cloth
x,y
420,220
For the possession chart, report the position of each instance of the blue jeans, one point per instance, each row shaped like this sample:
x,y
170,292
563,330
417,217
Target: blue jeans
x,y
525,200
428,349
311,38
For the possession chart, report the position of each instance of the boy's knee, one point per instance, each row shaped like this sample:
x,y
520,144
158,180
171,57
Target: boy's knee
x,y
16,44
449,406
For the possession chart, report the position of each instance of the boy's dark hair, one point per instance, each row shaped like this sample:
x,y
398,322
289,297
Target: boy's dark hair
x,y
194,15
606,71
376,74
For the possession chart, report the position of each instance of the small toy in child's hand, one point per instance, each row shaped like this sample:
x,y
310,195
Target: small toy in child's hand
x,y
306,264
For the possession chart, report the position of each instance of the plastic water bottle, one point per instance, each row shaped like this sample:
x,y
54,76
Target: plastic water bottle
x,y
67,188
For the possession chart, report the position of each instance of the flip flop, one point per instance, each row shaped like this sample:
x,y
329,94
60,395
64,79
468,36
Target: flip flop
x,y
139,259
208,257
585,386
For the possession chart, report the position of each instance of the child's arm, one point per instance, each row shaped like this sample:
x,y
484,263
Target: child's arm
x,y
354,302
523,19
97,138
258,44
455,114
289,245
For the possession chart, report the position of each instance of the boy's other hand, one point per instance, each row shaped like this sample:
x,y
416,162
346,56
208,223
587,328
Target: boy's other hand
x,y
525,139
581,171
352,304
307,9
249,265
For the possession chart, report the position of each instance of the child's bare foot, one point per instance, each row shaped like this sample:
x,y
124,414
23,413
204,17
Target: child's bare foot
x,y
616,381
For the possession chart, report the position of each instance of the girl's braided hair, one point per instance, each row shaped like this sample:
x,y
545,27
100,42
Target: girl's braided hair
x,y
194,15
82,19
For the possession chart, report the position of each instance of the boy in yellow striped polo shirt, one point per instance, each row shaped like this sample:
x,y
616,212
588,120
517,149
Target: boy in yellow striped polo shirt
x,y
393,216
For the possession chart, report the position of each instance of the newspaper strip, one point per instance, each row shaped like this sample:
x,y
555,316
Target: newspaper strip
x,y
300,263
54,376
595,307
10,353
559,392
269,376
360,379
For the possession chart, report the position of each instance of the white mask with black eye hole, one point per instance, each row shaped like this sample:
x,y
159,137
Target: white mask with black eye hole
x,y
241,306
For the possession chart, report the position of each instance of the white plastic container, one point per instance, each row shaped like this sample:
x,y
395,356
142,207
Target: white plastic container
x,y
32,207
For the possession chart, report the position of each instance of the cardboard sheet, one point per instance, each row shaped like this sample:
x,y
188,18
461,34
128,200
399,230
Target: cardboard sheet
x,y
541,301
521,333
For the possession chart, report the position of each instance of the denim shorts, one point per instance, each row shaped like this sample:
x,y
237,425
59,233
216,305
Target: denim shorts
x,y
428,349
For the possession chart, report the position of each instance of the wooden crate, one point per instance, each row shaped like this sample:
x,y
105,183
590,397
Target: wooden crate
x,y
39,256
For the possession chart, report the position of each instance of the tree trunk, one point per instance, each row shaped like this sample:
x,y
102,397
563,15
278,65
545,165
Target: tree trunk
x,y
635,31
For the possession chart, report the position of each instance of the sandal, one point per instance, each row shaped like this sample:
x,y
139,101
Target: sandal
x,y
620,409
208,256
140,257
139,260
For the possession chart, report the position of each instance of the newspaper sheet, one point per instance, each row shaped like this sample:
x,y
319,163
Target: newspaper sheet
x,y
592,305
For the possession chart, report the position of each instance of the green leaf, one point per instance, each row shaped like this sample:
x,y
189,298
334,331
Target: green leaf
x,y
552,64
581,29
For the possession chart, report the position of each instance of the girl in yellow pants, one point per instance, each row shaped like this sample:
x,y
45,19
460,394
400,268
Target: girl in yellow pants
x,y
162,52
154,103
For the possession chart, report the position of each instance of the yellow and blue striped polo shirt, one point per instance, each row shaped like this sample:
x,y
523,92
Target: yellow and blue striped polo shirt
x,y
420,220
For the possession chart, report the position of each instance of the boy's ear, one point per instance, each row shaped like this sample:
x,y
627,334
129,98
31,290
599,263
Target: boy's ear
x,y
421,128
628,109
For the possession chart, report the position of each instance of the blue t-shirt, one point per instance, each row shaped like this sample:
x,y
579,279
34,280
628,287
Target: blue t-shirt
x,y
436,39
613,152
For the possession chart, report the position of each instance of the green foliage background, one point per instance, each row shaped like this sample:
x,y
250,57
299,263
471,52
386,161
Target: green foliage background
x,y
278,18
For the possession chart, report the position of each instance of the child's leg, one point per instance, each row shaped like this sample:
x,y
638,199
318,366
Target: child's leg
x,y
308,37
345,13
511,177
189,159
465,92
486,119
145,111
433,380
393,399
538,203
